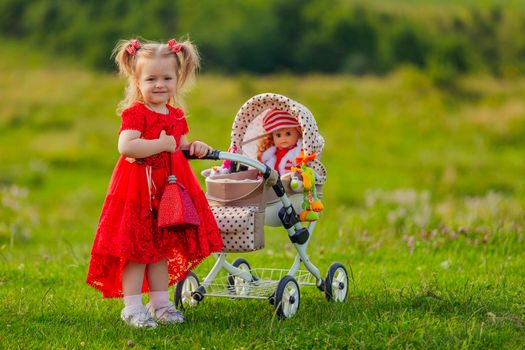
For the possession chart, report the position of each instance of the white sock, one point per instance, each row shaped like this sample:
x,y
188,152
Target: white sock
x,y
133,301
159,299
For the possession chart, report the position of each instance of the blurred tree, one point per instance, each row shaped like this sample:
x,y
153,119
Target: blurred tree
x,y
265,36
11,13
483,33
409,44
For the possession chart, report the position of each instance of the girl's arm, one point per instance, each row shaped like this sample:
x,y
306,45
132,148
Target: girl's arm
x,y
200,149
131,145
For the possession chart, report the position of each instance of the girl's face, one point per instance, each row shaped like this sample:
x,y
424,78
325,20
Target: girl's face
x,y
285,138
157,80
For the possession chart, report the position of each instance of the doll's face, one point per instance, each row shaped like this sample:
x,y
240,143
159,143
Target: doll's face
x,y
285,138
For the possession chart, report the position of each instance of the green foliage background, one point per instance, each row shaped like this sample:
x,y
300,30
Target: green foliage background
x,y
339,36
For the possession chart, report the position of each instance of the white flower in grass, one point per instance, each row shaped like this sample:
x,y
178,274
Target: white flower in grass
x,y
445,264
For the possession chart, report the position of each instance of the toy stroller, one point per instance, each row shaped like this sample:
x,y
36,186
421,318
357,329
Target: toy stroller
x,y
243,202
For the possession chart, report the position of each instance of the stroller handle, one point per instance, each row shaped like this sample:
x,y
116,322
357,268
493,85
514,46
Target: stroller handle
x,y
213,155
266,171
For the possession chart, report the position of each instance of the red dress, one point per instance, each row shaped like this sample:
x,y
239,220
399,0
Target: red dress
x,y
127,230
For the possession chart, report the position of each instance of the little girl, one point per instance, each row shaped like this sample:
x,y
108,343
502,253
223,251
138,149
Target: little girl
x,y
131,255
283,142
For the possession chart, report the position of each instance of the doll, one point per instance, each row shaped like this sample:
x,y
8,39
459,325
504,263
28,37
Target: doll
x,y
283,142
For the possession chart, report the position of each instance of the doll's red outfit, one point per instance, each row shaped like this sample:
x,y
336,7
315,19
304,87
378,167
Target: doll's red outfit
x,y
127,230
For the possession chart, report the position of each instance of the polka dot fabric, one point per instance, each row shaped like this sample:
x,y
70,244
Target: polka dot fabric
x,y
312,140
242,228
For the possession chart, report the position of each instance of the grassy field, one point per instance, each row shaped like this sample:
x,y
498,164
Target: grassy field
x,y
424,200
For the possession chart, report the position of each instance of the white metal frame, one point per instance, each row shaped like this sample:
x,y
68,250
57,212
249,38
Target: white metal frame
x,y
262,282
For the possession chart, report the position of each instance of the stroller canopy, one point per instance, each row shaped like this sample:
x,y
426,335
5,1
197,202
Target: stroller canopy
x,y
247,128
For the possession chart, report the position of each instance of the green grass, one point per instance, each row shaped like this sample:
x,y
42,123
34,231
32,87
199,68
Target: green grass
x,y
424,200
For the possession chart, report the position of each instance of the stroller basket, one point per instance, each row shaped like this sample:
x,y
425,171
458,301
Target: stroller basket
x,y
264,284
236,189
236,202
242,204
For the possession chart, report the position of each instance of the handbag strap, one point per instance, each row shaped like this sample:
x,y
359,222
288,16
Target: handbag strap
x,y
151,185
172,179
168,158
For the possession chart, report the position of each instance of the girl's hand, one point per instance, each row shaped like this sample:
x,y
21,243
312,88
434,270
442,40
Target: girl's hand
x,y
168,142
200,149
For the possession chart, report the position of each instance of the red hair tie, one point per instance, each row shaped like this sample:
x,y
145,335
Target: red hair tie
x,y
174,46
133,46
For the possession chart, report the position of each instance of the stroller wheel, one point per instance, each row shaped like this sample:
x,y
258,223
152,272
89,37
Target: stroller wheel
x,y
236,284
187,293
336,283
287,297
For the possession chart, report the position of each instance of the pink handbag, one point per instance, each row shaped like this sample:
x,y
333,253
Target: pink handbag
x,y
176,209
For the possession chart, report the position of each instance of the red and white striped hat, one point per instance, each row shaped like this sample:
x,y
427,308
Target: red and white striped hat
x,y
276,119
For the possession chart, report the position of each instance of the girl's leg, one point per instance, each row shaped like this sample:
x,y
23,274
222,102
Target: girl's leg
x,y
160,305
132,278
158,276
134,313
158,284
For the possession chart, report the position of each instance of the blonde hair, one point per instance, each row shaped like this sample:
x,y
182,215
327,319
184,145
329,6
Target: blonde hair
x,y
186,64
265,143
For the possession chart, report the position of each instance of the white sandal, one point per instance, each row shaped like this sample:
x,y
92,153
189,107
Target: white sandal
x,y
166,315
138,317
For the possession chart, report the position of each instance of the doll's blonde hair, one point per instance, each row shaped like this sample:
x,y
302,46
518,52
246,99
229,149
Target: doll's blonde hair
x,y
264,143
187,62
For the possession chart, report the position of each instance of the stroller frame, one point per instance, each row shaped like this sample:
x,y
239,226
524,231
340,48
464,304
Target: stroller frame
x,y
243,282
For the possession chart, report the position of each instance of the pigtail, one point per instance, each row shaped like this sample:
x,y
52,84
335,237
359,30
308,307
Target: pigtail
x,y
125,55
189,61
